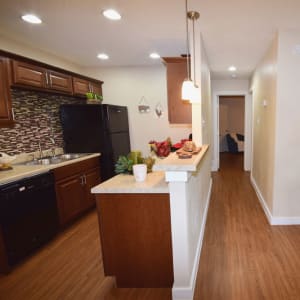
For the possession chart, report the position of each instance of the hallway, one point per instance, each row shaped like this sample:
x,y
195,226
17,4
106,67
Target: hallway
x,y
243,257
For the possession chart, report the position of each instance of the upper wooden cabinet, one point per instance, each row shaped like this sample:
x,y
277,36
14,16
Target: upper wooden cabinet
x,y
26,74
180,112
6,114
82,86
60,82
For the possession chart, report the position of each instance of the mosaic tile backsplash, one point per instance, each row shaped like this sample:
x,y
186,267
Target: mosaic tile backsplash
x,y
37,119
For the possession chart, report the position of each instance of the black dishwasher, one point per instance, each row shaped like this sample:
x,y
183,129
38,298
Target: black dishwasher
x,y
28,215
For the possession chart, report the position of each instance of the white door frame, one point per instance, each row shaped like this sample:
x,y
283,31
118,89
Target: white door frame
x,y
248,128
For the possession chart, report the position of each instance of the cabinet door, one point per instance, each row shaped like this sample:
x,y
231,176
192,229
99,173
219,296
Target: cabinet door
x,y
180,112
96,88
6,116
70,194
92,178
80,86
28,74
59,82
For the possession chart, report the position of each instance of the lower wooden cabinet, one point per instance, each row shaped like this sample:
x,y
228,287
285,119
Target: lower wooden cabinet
x,y
135,231
73,186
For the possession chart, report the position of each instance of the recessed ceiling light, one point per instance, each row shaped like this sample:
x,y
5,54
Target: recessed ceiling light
x,y
154,55
32,19
103,56
232,69
111,14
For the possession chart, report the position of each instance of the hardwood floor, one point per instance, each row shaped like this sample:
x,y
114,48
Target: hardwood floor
x,y
69,267
243,257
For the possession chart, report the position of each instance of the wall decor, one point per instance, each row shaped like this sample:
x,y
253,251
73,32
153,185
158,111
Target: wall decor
x,y
159,110
143,106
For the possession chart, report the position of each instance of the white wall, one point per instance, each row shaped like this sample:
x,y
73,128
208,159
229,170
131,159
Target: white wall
x,y
287,162
276,136
12,46
126,86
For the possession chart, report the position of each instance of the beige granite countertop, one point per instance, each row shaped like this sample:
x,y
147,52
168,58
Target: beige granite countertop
x,y
124,183
23,171
173,163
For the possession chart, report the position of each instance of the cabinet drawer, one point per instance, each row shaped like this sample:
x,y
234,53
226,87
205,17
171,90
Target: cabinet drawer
x,y
74,168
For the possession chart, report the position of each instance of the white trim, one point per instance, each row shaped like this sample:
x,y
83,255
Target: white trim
x,y
273,220
187,293
248,127
261,199
285,221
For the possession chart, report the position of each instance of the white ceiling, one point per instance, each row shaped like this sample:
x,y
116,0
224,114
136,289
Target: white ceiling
x,y
234,32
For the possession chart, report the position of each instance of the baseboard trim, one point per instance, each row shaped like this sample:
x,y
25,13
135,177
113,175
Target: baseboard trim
x,y
271,219
261,200
187,293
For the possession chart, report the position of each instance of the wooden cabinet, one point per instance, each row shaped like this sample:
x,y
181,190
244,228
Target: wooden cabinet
x,y
73,185
135,232
179,111
82,86
6,115
26,74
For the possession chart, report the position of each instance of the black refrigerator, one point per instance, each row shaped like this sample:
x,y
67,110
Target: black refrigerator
x,y
94,128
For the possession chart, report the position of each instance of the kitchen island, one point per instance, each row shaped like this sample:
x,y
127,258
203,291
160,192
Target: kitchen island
x,y
135,230
169,210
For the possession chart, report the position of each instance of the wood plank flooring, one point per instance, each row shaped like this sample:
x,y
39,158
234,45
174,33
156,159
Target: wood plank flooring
x,y
242,258
69,267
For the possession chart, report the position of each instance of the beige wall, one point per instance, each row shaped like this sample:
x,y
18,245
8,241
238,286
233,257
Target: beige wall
x,y
276,164
287,162
264,122
12,46
236,113
126,86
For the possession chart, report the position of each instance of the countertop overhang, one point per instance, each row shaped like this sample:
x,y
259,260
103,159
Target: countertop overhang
x,y
126,184
22,171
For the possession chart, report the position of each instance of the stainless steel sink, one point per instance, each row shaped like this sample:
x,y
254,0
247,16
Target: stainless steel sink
x,y
55,160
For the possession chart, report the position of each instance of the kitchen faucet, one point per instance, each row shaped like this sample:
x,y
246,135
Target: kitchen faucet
x,y
40,149
53,149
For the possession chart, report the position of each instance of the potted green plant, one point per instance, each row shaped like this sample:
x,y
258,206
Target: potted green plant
x,y
94,98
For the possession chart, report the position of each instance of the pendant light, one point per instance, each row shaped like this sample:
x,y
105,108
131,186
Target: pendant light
x,y
187,85
195,94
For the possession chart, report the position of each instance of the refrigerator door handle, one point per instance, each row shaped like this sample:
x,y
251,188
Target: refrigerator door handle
x,y
107,113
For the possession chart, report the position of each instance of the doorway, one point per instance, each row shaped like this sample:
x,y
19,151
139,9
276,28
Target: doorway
x,y
231,128
234,121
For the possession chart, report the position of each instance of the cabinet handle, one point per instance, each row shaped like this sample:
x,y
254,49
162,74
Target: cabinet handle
x,y
82,180
50,80
90,87
13,114
46,77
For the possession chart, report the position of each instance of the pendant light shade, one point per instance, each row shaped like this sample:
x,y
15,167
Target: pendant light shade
x,y
187,89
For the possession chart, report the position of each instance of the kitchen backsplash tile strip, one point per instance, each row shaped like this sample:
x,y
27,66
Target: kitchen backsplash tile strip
x,y
37,119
